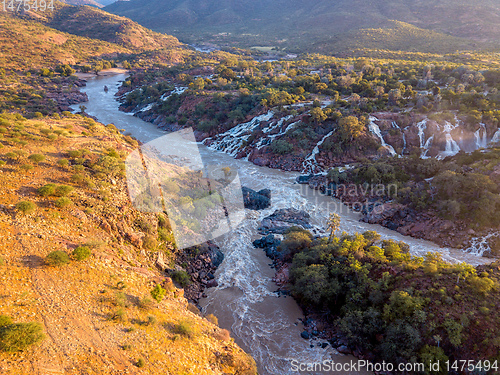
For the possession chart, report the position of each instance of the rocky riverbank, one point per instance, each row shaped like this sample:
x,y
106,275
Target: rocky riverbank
x,y
383,210
199,263
317,329
70,93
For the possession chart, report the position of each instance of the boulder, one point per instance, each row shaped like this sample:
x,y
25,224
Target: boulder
x,y
281,220
270,245
256,200
305,335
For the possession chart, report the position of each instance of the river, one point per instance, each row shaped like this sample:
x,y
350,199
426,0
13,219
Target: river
x,y
262,323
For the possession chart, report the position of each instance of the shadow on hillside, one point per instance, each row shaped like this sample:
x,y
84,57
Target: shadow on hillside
x,y
33,261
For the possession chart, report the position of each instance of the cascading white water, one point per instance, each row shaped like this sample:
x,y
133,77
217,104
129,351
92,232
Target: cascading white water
x,y
496,137
426,147
422,125
481,140
177,91
267,140
479,245
451,146
310,165
374,128
231,141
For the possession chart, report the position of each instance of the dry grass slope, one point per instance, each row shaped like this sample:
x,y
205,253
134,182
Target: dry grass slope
x,y
94,314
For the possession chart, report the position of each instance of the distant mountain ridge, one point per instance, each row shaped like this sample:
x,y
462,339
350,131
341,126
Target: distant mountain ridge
x,y
300,22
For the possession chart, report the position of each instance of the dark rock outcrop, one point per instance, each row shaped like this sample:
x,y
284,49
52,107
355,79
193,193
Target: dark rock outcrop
x,y
256,200
202,262
281,220
270,245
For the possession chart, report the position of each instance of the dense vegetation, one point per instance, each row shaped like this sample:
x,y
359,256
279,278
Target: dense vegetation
x,y
399,307
462,187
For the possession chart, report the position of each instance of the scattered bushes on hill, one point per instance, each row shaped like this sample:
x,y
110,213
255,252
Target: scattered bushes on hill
x,y
26,207
181,277
158,293
57,258
62,202
81,253
16,337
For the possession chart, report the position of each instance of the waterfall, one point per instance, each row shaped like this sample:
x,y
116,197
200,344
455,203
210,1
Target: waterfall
x,y
481,141
177,91
376,130
479,245
404,141
426,147
422,125
496,137
309,165
231,141
451,147
265,141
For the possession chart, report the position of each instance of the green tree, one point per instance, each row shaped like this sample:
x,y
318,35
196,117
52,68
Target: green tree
x,y
158,293
332,225
318,115
350,128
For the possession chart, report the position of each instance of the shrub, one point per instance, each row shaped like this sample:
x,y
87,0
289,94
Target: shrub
x,y
63,190
36,158
158,293
181,277
77,178
57,258
184,328
26,207
26,167
145,303
63,162
151,320
62,202
222,335
140,363
212,319
81,253
19,336
119,315
481,285
5,321
165,235
281,147
143,225
149,242
46,190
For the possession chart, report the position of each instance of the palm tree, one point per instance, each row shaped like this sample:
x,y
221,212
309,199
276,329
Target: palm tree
x,y
332,225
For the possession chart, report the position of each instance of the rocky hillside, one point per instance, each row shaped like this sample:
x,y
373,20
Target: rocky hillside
x,y
101,302
298,23
93,23
27,44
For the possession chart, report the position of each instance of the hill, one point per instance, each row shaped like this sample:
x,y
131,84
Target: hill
x,y
294,24
93,23
97,314
27,44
